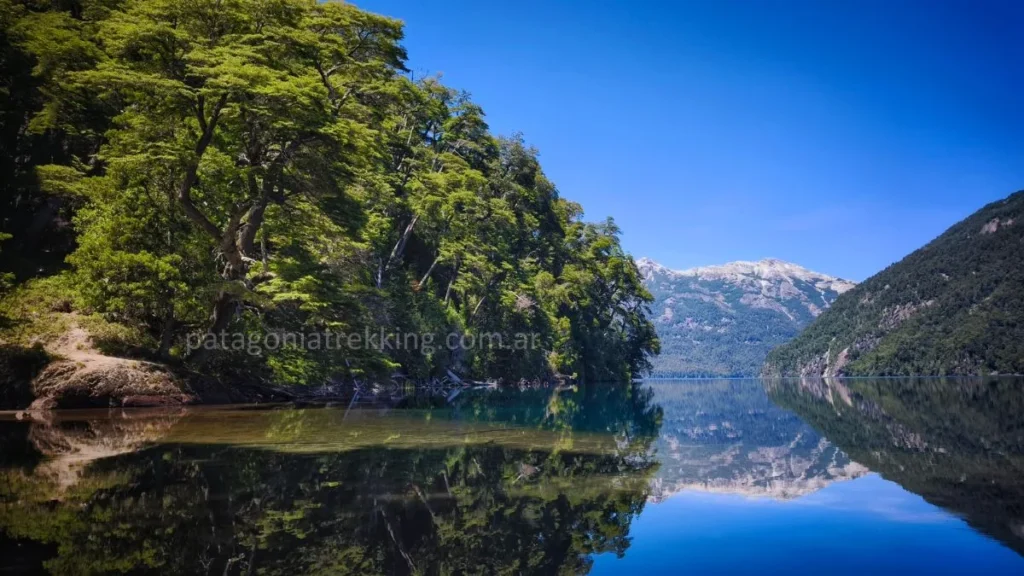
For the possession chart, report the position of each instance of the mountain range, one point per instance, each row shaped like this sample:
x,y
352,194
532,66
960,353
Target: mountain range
x,y
723,320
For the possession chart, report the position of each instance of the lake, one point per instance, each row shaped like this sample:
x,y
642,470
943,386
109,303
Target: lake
x,y
701,477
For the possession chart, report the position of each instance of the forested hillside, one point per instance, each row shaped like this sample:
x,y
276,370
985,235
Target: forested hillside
x,y
953,307
173,167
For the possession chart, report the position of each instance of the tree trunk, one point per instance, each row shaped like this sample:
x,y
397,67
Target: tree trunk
x,y
429,270
226,306
192,170
477,307
396,252
448,291
167,334
223,313
253,222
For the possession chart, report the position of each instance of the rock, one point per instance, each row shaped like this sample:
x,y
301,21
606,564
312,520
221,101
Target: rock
x,y
103,381
41,404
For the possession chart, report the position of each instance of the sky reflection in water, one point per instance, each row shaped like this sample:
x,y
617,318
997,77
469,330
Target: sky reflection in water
x,y
864,477
863,526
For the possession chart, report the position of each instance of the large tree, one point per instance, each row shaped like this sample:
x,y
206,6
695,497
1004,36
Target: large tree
x,y
264,165
238,106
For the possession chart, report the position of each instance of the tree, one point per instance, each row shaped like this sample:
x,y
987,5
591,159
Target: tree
x,y
262,166
244,105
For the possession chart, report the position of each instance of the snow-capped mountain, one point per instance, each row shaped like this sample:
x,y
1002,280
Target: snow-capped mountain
x,y
722,320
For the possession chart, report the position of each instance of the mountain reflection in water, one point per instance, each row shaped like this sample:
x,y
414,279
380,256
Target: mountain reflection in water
x,y
614,478
957,443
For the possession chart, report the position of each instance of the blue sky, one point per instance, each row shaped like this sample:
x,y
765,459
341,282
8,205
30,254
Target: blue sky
x,y
837,135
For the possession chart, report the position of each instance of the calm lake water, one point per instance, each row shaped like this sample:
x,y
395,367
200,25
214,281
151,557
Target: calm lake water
x,y
699,477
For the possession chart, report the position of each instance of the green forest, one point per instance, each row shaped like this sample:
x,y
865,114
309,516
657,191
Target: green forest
x,y
180,167
952,307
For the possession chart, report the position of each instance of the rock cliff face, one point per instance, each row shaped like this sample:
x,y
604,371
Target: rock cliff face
x,y
723,320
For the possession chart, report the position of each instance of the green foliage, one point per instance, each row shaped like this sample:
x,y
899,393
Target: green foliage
x,y
737,349
38,45
954,306
31,312
258,168
335,491
955,442
18,365
6,278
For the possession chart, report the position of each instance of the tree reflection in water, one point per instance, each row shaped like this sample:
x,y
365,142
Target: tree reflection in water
x,y
500,483
958,443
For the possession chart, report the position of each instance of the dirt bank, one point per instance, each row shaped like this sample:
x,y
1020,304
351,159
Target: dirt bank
x,y
71,373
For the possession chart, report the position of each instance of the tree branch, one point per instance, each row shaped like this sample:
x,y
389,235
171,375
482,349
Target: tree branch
x,y
429,270
191,171
396,252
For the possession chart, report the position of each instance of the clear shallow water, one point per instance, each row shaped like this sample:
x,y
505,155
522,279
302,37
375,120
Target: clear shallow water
x,y
731,477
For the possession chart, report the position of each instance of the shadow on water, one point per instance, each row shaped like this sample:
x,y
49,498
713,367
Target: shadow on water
x,y
534,482
957,443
